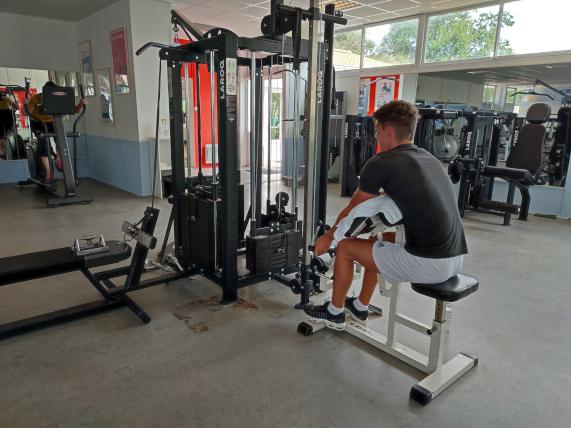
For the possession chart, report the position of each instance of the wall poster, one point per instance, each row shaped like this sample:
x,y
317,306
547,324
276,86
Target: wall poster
x,y
119,61
86,68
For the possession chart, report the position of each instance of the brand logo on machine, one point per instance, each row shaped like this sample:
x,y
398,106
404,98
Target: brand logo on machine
x,y
222,80
346,129
320,87
516,137
468,142
59,93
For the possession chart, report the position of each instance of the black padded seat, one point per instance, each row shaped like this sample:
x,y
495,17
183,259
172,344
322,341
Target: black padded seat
x,y
451,290
40,264
521,175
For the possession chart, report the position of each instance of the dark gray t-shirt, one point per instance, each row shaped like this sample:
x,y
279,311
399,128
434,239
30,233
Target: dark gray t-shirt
x,y
422,190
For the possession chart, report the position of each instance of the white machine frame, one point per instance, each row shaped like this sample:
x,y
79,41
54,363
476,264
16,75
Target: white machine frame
x,y
440,374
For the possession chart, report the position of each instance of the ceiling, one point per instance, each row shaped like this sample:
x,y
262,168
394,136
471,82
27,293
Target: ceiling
x,y
64,10
244,16
524,74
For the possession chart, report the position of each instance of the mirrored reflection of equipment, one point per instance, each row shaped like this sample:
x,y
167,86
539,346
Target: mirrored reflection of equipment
x,y
336,136
12,144
436,132
56,102
214,235
359,145
476,166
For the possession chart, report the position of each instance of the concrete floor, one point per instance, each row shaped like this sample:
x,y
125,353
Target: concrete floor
x,y
250,367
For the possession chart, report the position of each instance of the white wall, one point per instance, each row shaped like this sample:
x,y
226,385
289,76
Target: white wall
x,y
349,84
29,42
437,89
150,22
96,28
16,76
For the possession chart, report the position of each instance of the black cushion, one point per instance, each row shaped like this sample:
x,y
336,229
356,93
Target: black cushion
x,y
451,290
521,175
527,153
538,113
29,266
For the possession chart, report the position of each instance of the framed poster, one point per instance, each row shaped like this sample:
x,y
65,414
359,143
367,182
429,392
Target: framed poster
x,y
119,61
374,91
105,95
86,67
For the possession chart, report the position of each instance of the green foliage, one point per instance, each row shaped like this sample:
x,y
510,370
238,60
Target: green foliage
x,y
454,36
463,35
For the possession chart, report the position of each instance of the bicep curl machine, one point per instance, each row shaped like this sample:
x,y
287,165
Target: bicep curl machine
x,y
441,374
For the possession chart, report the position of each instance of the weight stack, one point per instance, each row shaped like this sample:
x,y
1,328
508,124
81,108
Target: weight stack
x,y
273,253
198,231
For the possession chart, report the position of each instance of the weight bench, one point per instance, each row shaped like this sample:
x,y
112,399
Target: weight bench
x,y
440,374
25,267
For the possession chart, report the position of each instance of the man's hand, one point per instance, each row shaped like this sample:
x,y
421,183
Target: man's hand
x,y
322,244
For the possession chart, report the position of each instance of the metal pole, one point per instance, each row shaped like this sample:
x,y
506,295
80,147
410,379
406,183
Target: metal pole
x,y
214,158
294,166
313,104
189,120
253,149
327,88
269,133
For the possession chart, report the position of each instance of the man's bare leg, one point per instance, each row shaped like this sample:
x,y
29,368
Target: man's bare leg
x,y
348,251
46,165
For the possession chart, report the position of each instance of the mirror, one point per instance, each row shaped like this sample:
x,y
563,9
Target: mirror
x,y
103,77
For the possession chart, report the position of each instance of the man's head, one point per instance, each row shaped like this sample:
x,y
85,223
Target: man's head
x,y
395,124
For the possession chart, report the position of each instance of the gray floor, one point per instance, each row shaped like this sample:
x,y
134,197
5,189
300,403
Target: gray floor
x,y
245,365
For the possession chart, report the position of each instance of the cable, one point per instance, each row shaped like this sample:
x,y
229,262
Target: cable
x,y
156,137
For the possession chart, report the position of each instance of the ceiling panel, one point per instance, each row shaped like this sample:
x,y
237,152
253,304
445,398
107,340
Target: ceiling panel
x,y
63,10
243,16
550,73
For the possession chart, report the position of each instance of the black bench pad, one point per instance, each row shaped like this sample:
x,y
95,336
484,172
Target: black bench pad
x,y
521,175
451,290
29,266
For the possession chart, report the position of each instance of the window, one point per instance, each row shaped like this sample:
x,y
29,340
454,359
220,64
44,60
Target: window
x,y
488,97
462,35
531,26
347,50
390,44
514,97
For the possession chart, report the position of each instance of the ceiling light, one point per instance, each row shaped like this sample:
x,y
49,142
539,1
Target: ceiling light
x,y
341,4
548,66
479,72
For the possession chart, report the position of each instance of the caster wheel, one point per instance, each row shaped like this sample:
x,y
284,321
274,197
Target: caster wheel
x,y
305,329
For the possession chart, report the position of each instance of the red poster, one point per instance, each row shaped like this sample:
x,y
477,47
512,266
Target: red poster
x,y
119,61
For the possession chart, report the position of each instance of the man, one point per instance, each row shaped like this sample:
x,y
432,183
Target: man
x,y
41,123
435,241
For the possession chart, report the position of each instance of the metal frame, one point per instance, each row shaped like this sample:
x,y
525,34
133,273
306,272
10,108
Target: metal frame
x,y
223,46
114,296
440,374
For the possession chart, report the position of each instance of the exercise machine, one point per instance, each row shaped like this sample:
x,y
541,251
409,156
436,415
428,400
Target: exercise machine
x,y
57,101
359,145
476,166
435,132
85,254
14,144
208,222
440,374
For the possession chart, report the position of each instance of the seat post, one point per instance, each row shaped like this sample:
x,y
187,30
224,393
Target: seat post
x,y
438,336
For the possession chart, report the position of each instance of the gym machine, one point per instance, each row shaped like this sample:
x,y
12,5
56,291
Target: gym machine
x,y
85,254
57,101
208,220
440,374
14,144
359,145
475,168
436,140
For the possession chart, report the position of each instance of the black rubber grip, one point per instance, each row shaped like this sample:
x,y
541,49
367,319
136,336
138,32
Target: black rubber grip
x,y
500,206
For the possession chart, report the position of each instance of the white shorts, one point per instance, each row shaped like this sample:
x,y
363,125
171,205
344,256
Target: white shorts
x,y
397,265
